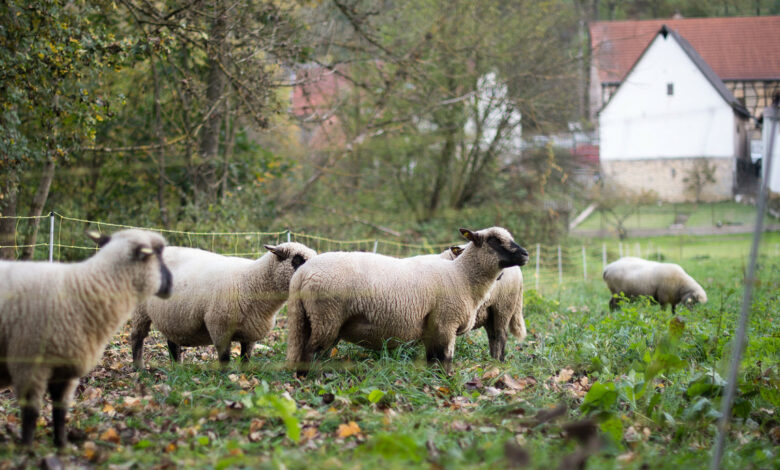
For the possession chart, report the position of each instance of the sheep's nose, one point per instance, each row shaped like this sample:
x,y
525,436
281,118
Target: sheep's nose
x,y
524,256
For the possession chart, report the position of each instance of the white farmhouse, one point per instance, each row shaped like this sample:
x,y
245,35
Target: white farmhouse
x,y
672,120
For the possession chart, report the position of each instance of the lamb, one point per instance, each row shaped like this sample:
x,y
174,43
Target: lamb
x,y
372,300
667,283
56,318
503,309
219,299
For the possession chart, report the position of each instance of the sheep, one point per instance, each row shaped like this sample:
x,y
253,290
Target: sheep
x,y
56,318
219,299
667,283
503,309
372,300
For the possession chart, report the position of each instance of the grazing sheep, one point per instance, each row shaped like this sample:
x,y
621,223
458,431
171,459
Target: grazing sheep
x,y
56,319
219,299
503,309
371,300
667,283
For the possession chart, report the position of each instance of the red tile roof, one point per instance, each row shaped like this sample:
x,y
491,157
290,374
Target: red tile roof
x,y
737,48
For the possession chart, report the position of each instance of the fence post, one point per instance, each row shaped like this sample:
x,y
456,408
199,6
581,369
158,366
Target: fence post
x,y
603,257
560,269
620,249
638,250
376,243
584,265
738,344
537,267
51,237
288,236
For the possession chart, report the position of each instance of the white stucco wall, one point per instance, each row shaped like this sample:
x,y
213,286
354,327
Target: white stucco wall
x,y
642,122
774,177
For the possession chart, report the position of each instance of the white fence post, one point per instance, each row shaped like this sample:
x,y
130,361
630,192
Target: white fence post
x,y
584,265
51,237
738,344
638,250
620,249
537,267
376,243
288,236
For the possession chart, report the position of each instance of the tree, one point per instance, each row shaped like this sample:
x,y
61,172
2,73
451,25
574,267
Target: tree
x,y
445,89
701,174
52,53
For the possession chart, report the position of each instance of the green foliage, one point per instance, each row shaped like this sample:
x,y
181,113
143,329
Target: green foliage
x,y
53,55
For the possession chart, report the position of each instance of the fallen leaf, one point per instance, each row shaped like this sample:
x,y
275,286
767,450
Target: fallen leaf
x,y
170,447
564,375
109,410
492,391
627,457
110,435
474,383
334,352
460,426
90,451
491,374
507,381
256,424
309,433
349,429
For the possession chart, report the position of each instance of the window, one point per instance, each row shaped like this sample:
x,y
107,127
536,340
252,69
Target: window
x,y
670,89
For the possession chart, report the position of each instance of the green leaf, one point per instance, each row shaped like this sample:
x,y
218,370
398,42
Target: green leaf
x,y
613,427
375,396
600,397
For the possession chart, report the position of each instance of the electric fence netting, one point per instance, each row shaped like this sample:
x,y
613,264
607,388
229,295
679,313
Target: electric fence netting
x,y
550,268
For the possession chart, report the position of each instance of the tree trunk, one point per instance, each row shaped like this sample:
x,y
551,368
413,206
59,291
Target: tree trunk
x,y
39,200
161,148
8,225
230,135
215,86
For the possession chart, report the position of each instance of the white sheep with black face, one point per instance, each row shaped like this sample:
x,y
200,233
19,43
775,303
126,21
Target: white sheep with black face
x,y
219,299
667,283
372,300
56,318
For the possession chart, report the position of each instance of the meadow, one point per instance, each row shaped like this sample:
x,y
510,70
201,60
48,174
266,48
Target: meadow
x,y
633,388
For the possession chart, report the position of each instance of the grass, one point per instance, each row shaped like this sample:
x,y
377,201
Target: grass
x,y
662,216
655,404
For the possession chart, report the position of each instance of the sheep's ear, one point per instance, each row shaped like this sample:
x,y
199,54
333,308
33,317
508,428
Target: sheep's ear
x,y
99,238
471,236
456,250
280,253
143,252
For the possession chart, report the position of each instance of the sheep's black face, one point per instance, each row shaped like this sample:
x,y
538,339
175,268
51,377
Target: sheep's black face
x,y
297,261
166,281
166,278
509,252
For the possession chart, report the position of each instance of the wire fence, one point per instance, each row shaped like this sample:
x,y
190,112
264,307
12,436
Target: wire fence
x,y
550,266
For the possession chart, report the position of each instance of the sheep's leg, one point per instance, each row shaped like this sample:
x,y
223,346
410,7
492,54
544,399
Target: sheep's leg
x,y
246,350
30,403
141,325
175,351
496,335
223,353
439,344
29,418
613,303
60,391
